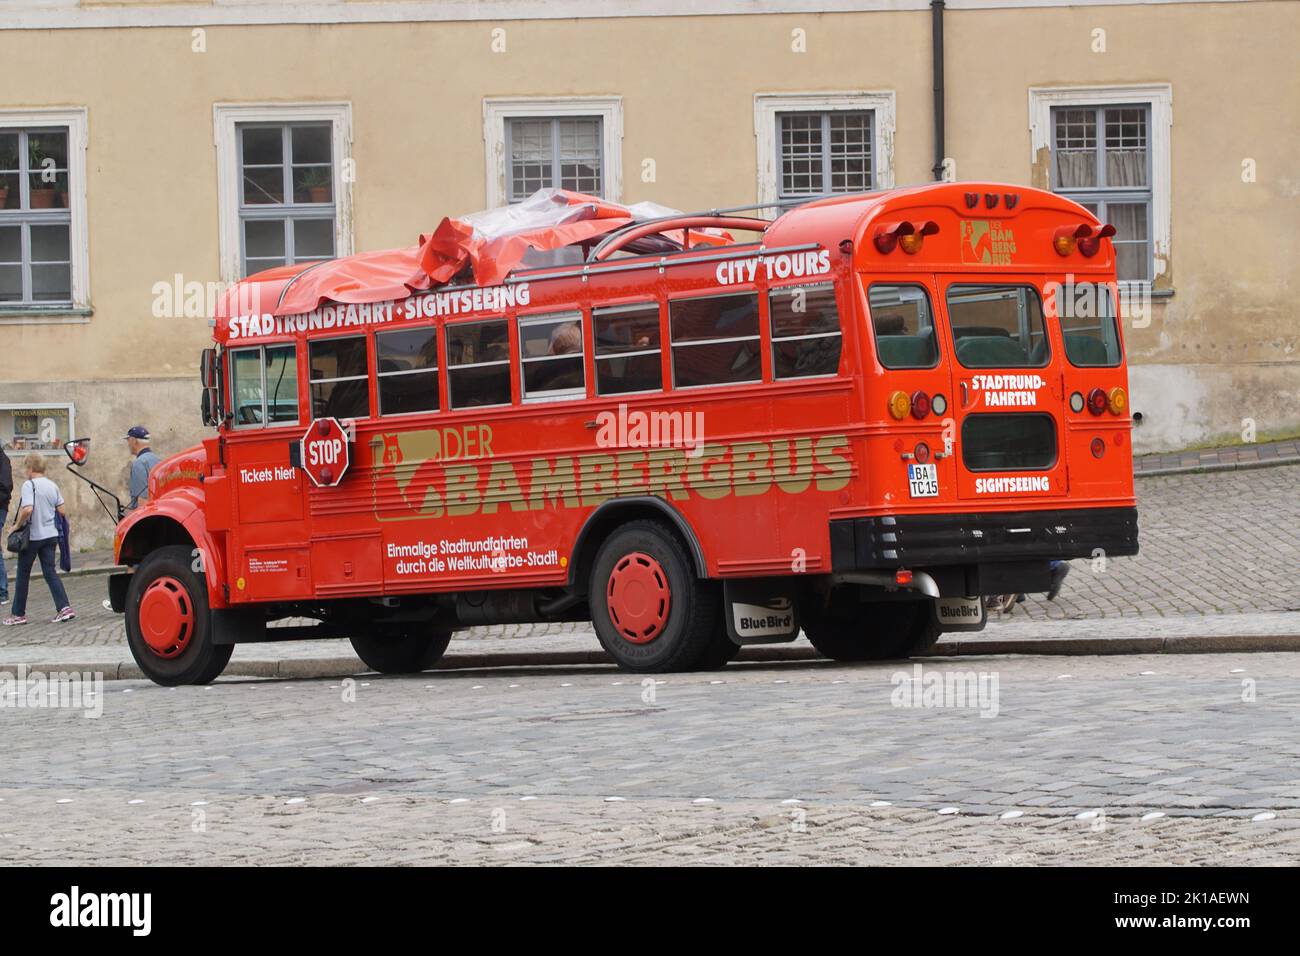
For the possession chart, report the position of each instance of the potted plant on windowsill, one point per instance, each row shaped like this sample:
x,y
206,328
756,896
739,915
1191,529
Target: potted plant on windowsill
x,y
40,192
317,183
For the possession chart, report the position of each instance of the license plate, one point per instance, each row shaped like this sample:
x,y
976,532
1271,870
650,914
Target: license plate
x,y
923,481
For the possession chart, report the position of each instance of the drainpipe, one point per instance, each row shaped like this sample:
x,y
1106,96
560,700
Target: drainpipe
x,y
936,47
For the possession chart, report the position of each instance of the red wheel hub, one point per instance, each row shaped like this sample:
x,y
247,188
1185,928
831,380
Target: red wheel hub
x,y
639,598
166,617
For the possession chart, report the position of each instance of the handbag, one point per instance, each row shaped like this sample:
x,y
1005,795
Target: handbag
x,y
20,538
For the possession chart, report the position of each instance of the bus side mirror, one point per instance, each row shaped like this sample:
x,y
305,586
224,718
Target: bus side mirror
x,y
77,450
208,368
210,407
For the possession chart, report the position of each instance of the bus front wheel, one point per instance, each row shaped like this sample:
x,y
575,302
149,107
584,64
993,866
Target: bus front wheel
x,y
650,612
886,630
168,624
408,652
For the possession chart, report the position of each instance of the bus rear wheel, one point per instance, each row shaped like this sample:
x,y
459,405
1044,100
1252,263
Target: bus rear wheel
x,y
650,612
168,623
406,652
886,630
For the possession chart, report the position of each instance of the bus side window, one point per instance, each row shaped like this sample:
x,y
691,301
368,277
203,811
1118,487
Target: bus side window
x,y
264,386
805,324
627,349
903,325
406,364
340,385
715,340
478,363
550,353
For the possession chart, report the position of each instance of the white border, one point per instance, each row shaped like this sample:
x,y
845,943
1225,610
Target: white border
x,y
767,105
9,449
1160,98
225,116
497,109
67,14
76,119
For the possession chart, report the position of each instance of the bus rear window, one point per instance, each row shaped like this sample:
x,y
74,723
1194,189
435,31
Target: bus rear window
x,y
1008,442
903,325
1087,317
997,326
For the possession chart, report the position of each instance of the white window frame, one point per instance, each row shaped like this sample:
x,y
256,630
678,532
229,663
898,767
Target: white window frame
x,y
882,104
76,120
19,406
226,117
1159,100
496,110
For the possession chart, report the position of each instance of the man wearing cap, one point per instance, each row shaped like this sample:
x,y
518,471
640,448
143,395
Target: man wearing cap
x,y
143,461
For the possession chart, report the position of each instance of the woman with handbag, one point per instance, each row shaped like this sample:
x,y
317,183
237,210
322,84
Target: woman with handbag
x,y
39,503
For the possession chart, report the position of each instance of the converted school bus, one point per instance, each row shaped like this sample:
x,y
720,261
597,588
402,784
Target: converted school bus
x,y
858,422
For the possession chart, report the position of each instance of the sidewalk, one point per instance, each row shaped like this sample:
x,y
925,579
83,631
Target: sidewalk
x,y
1236,633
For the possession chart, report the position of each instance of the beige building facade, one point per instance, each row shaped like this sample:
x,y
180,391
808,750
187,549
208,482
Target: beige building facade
x,y
152,152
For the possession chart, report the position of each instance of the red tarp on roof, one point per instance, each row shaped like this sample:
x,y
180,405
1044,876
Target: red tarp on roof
x,y
490,243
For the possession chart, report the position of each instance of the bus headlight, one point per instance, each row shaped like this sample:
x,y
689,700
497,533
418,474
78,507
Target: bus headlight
x,y
899,405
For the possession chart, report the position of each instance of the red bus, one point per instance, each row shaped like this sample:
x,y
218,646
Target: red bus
x,y
877,409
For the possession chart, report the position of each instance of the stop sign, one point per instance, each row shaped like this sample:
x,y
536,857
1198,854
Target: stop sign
x,y
325,452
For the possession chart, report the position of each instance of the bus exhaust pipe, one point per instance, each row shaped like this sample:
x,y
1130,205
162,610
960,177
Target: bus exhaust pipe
x,y
920,581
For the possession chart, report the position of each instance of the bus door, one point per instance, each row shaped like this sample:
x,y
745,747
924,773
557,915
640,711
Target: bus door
x,y
1006,383
269,554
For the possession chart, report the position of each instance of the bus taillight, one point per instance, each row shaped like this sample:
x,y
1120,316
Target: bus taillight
x,y
1117,401
1097,401
920,405
905,235
899,405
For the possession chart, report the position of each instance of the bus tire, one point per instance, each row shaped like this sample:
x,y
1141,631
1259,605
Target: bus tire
x,y
650,612
168,622
887,630
408,652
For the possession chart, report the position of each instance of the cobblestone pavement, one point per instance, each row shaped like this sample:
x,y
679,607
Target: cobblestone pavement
x,y
1220,543
788,763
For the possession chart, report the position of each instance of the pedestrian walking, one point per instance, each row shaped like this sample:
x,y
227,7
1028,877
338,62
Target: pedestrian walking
x,y
39,503
6,493
143,461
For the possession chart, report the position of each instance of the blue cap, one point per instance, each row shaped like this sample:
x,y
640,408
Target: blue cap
x,y
138,431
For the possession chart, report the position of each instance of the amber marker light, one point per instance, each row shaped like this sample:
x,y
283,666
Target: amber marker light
x,y
899,405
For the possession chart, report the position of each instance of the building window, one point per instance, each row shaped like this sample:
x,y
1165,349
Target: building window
x,y
556,142
284,175
561,152
43,428
817,144
286,203
715,340
407,365
1101,158
43,257
824,153
1108,148
340,386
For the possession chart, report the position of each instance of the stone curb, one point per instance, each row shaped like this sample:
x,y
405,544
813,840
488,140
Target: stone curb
x,y
1218,466
305,668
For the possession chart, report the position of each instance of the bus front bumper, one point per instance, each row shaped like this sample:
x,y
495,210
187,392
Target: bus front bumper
x,y
921,541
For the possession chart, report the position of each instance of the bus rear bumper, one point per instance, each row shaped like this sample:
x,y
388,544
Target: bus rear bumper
x,y
922,541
